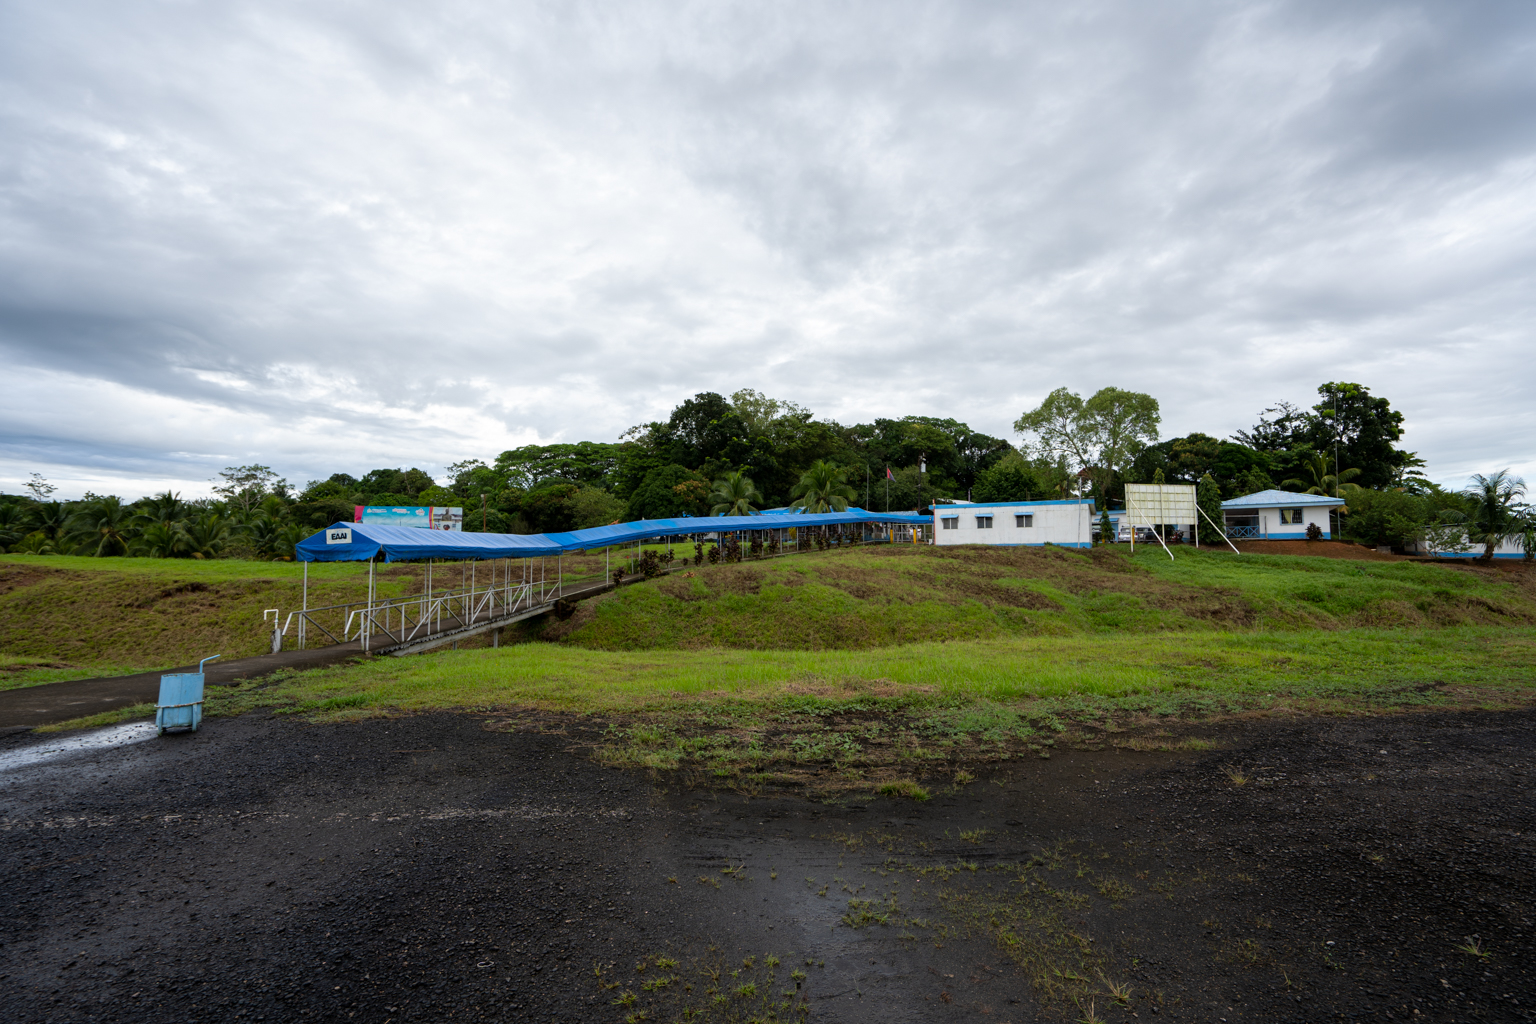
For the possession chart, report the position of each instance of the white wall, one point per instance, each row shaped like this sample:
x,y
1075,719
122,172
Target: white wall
x,y
1066,523
1271,528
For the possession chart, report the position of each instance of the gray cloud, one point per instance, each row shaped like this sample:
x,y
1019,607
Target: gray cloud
x,y
334,237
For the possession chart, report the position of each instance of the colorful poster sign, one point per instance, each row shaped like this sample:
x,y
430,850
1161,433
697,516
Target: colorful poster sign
x,y
421,517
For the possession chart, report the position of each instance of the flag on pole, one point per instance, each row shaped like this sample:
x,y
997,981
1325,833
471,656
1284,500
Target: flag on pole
x,y
888,475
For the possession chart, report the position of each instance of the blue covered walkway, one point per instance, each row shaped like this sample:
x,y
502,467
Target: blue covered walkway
x,y
362,542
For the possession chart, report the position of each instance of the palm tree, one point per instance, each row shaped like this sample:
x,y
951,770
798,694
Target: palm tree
x,y
52,519
105,522
15,523
162,540
207,535
823,488
1496,512
1324,482
167,509
733,495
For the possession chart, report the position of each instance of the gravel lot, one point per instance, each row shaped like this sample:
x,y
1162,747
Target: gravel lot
x,y
430,869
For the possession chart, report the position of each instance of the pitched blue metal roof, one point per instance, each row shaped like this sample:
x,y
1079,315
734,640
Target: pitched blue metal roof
x,y
404,543
1277,499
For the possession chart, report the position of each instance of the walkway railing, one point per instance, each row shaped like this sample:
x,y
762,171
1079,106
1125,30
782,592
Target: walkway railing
x,y
513,587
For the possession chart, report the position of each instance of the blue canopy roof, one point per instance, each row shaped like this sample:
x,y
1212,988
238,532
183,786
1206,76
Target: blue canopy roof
x,y
404,543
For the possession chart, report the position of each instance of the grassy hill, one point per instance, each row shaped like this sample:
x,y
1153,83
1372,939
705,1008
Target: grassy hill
x,y
63,617
883,596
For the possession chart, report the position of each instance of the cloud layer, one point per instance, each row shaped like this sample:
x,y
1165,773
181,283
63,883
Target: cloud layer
x,y
333,237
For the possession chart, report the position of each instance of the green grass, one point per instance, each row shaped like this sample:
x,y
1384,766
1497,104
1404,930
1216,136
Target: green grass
x,y
883,596
1152,674
210,570
66,617
971,630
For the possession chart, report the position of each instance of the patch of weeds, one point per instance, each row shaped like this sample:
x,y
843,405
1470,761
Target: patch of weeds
x,y
863,913
1236,776
1114,890
1245,953
903,788
964,778
1090,1016
975,835
708,880
1120,992
1474,947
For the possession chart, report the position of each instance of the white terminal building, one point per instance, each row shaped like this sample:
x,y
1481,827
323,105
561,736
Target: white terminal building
x,y
1014,523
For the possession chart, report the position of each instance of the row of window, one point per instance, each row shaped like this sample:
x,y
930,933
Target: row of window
x,y
985,522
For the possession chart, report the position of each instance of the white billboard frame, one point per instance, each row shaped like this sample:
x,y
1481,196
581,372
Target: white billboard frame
x,y
1161,504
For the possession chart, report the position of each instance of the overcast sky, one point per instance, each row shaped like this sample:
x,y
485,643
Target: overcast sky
x,y
334,236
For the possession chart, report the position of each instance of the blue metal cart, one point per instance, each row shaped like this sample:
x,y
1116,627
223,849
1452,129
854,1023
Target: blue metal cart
x,y
181,700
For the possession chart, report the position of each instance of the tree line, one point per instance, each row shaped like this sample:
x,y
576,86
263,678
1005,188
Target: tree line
x,y
748,452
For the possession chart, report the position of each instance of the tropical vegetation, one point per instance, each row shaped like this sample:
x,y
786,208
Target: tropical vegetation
x,y
736,455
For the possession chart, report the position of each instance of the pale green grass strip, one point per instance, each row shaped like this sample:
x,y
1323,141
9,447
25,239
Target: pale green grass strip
x,y
1321,663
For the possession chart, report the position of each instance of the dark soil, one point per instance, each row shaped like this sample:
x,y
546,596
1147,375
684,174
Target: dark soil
x,y
432,869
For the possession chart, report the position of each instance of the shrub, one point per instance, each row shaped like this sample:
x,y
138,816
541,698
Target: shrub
x,y
1380,518
1314,532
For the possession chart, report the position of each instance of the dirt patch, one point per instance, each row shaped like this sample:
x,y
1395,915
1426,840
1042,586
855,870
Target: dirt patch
x,y
1318,549
733,579
680,587
17,577
428,869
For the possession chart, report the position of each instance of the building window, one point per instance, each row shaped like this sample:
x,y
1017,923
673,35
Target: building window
x,y
1291,517
1021,521
983,522
952,523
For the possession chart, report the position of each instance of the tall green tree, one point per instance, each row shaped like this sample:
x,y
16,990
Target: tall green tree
x,y
1101,435
1496,514
823,488
734,494
1363,428
665,494
245,486
1208,498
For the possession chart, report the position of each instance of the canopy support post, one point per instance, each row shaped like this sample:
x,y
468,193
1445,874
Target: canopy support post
x,y
368,619
304,618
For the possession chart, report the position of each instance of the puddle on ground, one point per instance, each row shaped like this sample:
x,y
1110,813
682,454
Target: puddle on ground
x,y
102,739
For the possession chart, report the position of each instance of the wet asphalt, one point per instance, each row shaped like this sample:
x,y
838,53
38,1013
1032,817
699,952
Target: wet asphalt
x,y
429,868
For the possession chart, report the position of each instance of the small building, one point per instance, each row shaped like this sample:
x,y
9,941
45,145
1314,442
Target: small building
x,y
1451,542
1278,515
1014,523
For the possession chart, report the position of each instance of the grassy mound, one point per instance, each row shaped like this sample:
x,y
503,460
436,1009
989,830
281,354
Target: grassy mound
x,y
67,617
884,596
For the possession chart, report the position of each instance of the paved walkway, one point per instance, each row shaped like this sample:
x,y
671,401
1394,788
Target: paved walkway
x,y
31,706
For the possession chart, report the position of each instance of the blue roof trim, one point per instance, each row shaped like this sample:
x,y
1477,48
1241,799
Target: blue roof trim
x,y
405,543
1016,504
